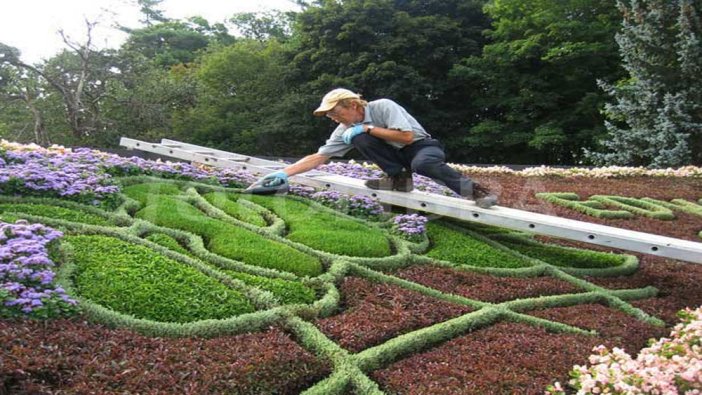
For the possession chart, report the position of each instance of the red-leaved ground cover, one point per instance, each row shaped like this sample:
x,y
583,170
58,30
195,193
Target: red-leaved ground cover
x,y
76,357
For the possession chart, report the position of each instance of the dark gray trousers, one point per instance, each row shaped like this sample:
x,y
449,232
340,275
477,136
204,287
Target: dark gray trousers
x,y
425,157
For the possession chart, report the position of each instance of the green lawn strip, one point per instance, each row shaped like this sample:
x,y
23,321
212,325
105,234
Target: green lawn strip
x,y
336,384
561,256
678,204
636,206
453,244
323,229
136,280
228,240
593,208
227,202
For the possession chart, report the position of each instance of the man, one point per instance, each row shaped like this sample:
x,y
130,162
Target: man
x,y
386,134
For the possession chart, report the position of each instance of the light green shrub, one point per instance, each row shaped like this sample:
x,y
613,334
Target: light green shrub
x,y
63,213
227,203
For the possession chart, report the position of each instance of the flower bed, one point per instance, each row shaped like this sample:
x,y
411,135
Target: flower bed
x,y
184,286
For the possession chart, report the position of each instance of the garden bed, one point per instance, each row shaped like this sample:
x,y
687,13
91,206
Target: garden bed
x,y
183,286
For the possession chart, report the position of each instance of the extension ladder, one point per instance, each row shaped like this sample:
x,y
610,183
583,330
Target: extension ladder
x,y
441,205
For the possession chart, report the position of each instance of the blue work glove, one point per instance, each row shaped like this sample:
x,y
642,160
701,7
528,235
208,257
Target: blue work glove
x,y
277,178
352,132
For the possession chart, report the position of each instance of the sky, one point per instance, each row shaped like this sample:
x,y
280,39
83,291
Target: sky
x,y
32,25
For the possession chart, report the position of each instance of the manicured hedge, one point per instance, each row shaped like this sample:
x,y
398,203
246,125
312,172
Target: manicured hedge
x,y
458,247
590,207
136,280
288,292
326,231
228,240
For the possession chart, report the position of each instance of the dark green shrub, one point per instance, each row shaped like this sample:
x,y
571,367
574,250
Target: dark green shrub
x,y
563,256
136,280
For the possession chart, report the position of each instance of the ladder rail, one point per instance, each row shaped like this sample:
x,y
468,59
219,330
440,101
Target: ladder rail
x,y
603,235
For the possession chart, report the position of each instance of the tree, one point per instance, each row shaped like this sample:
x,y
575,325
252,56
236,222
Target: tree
x,y
78,77
264,26
656,118
402,50
535,83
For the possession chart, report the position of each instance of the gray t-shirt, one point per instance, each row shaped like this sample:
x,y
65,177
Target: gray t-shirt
x,y
383,113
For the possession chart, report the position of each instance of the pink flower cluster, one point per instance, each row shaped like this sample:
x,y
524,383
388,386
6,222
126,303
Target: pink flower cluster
x,y
669,366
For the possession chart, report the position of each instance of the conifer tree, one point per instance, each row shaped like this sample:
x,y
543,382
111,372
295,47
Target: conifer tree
x,y
656,117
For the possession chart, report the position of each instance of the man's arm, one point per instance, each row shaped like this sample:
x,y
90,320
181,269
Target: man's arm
x,y
307,163
398,136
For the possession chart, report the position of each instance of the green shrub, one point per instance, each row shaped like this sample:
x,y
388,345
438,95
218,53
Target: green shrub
x,y
325,231
288,292
228,240
227,203
54,212
136,280
679,204
458,247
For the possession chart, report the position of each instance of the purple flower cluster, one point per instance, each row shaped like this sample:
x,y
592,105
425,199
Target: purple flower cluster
x,y
364,206
76,176
358,205
410,226
26,278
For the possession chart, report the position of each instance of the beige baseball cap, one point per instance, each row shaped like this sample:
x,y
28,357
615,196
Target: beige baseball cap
x,y
332,98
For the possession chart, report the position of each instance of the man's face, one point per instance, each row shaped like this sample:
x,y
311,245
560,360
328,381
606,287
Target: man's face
x,y
346,115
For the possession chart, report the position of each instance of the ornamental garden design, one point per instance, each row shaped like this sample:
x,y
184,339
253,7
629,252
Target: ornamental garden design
x,y
129,275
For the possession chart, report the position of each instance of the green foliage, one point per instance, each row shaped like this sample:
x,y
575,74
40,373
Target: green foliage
x,y
572,201
636,206
167,241
537,100
655,118
451,245
228,240
55,212
288,292
146,193
563,256
136,280
325,231
227,203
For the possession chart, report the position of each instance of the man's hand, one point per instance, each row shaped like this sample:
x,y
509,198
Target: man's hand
x,y
352,132
272,179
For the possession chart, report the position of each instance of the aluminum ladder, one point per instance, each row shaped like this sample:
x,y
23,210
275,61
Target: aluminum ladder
x,y
462,209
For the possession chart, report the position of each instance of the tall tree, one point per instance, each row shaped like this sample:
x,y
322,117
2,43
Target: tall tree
x,y
77,76
537,99
656,118
400,49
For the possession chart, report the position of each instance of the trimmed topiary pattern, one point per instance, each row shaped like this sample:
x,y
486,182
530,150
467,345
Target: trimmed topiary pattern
x,y
183,258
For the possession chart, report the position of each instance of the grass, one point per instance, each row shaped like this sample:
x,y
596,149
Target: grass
x,y
136,280
451,245
325,231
